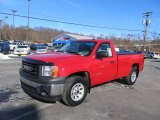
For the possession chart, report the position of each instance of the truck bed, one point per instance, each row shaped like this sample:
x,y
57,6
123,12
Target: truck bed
x,y
125,62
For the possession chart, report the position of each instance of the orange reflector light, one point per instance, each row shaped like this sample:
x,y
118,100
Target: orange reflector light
x,y
54,71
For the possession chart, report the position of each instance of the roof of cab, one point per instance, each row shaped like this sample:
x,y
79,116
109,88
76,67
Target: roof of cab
x,y
95,40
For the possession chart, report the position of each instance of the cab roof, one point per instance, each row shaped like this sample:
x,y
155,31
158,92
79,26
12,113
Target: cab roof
x,y
95,40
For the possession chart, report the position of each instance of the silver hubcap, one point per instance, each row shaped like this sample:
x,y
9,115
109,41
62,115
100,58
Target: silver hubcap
x,y
133,76
77,92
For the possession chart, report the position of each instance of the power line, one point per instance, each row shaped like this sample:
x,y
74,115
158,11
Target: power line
x,y
72,23
154,33
79,24
64,19
40,15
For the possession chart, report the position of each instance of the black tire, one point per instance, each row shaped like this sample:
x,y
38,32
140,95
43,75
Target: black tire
x,y
132,77
68,96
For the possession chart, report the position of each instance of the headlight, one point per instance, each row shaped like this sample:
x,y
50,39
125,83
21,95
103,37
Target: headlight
x,y
50,71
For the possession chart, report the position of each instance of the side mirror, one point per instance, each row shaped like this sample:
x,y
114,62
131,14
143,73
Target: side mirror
x,y
102,54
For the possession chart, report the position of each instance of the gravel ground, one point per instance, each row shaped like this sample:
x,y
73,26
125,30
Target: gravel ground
x,y
111,101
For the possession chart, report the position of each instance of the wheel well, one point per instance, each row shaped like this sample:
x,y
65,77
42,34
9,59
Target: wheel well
x,y
86,77
136,65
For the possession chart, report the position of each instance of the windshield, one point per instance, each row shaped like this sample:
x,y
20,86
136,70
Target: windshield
x,y
22,47
83,48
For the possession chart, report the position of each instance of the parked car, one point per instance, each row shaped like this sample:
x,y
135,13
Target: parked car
x,y
41,49
155,55
15,45
4,47
71,72
33,47
22,50
46,45
151,55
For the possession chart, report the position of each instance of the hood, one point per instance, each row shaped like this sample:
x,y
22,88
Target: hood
x,y
56,57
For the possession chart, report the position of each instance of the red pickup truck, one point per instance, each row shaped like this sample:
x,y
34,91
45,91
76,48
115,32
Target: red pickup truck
x,y
69,73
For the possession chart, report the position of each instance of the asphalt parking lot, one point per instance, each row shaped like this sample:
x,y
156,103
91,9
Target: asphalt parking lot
x,y
111,101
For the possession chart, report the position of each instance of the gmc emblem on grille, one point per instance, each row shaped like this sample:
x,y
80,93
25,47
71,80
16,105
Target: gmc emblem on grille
x,y
28,68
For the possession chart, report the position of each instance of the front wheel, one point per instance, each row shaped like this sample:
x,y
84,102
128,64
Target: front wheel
x,y
132,77
75,91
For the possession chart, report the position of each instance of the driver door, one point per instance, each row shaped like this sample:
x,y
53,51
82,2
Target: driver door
x,y
104,69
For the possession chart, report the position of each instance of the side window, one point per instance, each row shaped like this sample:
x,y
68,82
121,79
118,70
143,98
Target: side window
x,y
105,47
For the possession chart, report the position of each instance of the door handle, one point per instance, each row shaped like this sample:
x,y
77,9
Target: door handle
x,y
112,62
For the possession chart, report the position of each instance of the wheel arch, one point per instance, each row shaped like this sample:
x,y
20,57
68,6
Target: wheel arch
x,y
85,75
136,65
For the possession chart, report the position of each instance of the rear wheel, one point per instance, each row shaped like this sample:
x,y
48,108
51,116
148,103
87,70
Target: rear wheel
x,y
75,91
132,77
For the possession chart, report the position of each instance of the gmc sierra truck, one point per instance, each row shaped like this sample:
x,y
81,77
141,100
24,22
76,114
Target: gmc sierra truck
x,y
69,74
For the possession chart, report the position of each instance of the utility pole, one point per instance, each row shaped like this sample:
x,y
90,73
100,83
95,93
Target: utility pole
x,y
14,11
28,20
5,17
146,22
